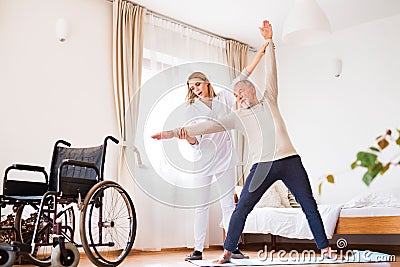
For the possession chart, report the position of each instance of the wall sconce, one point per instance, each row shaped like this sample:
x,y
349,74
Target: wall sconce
x,y
337,67
62,30
306,24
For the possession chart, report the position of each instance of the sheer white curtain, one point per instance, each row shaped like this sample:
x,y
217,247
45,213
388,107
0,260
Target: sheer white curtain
x,y
172,49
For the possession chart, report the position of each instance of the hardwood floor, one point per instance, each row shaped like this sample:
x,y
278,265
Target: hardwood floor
x,y
175,257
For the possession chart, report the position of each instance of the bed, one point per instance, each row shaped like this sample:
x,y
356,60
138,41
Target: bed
x,y
375,213
369,220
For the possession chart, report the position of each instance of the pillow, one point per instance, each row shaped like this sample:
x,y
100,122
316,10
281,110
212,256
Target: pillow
x,y
387,198
283,191
277,196
271,198
292,201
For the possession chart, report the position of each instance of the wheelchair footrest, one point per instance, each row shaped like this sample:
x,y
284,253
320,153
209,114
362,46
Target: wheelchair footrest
x,y
21,247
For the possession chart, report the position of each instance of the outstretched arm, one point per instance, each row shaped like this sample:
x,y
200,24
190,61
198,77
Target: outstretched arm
x,y
207,127
271,83
165,135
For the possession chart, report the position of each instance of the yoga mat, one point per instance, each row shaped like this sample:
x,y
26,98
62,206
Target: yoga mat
x,y
356,256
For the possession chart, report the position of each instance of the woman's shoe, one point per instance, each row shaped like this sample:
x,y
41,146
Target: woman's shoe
x,y
196,255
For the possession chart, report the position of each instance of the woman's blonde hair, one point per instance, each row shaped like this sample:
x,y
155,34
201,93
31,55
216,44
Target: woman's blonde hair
x,y
201,76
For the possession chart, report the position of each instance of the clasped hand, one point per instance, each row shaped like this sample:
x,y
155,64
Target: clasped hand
x,y
181,134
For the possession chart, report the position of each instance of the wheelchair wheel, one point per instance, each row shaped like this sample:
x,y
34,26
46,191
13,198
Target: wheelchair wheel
x,y
108,224
25,221
7,257
70,260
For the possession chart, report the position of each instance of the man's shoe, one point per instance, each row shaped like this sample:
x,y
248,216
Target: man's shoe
x,y
236,254
196,255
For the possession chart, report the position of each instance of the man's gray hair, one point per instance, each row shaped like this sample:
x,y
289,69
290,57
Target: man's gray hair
x,y
246,83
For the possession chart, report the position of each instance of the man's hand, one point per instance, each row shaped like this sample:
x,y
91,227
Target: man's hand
x,y
266,30
164,135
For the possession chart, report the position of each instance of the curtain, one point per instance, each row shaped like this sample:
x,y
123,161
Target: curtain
x,y
171,51
236,54
127,66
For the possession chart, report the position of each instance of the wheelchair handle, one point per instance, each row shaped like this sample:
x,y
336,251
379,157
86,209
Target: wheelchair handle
x,y
112,138
65,143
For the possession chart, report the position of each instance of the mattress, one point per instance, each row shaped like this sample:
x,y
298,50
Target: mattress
x,y
370,211
290,222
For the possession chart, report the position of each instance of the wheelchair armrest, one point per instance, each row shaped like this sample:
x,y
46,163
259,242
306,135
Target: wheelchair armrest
x,y
25,167
25,188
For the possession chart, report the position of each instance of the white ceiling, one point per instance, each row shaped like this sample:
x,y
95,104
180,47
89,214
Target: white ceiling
x,y
239,19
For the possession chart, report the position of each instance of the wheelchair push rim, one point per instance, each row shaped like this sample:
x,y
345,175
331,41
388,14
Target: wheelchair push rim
x,y
108,224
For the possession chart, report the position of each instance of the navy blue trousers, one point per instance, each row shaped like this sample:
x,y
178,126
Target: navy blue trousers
x,y
262,175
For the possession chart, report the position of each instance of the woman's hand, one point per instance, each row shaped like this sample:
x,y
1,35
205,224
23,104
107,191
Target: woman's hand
x,y
261,51
182,134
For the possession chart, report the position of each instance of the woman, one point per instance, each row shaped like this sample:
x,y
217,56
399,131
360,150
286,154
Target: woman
x,y
204,102
217,156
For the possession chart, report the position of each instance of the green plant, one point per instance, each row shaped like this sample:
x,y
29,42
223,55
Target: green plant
x,y
371,161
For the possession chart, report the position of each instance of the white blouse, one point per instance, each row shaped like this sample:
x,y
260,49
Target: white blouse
x,y
214,152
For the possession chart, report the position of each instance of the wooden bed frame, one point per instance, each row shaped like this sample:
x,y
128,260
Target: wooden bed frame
x,y
375,225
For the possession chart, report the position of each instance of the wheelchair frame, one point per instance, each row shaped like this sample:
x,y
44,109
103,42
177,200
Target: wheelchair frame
x,y
72,180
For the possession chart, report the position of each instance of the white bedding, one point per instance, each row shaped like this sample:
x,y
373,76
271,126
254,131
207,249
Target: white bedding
x,y
290,222
370,211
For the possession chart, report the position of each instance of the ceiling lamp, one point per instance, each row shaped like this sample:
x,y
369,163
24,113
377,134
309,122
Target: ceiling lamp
x,y
306,24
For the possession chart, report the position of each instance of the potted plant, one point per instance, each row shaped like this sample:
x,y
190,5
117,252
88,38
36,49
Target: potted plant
x,y
371,159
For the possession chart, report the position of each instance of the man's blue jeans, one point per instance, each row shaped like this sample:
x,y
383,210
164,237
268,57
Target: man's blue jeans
x,y
262,175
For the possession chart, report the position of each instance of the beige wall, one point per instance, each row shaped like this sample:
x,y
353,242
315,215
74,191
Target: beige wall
x,y
52,90
330,119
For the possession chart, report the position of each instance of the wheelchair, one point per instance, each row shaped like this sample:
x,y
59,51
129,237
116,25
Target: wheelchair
x,y
43,230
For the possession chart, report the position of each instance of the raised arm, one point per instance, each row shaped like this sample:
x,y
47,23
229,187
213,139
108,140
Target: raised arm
x,y
271,82
256,59
266,32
